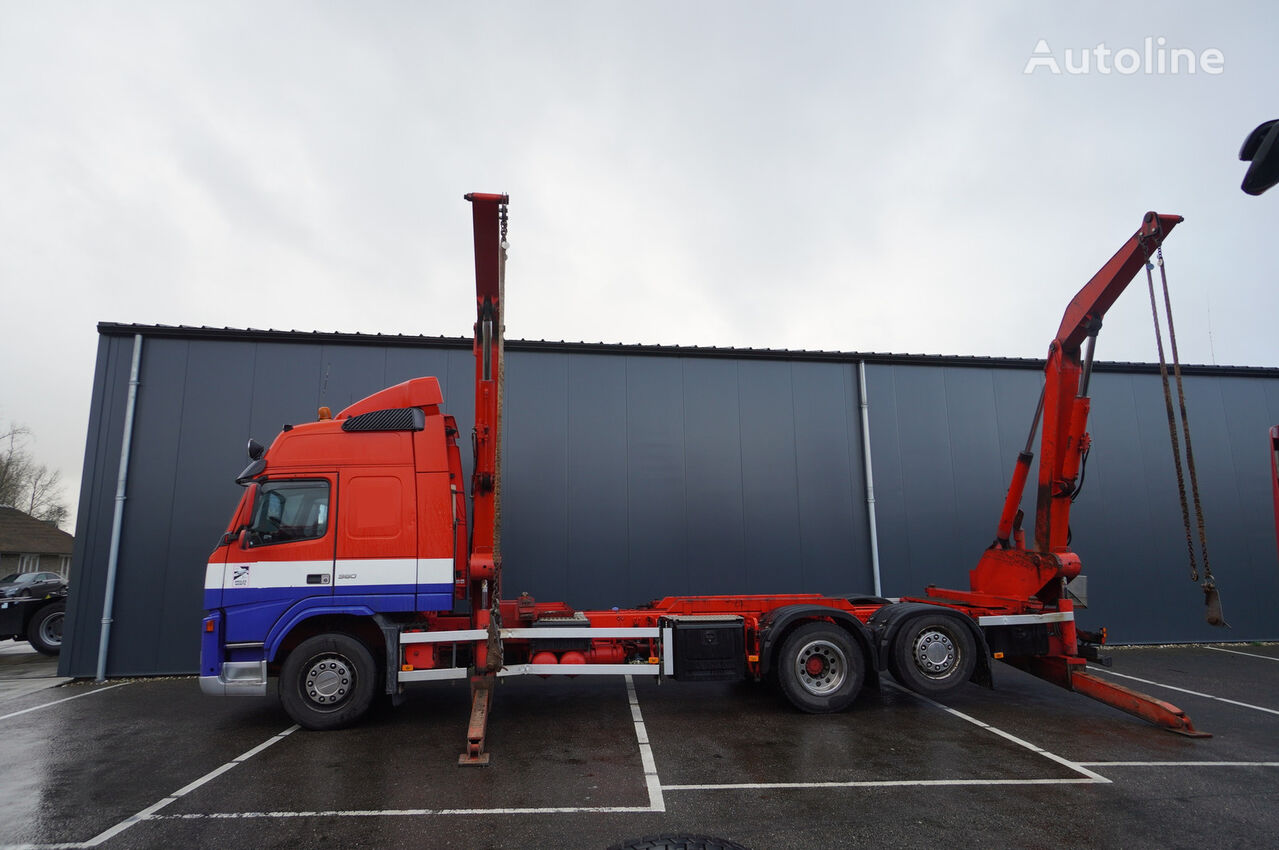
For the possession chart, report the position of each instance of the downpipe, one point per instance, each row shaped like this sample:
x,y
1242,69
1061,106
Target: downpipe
x,y
117,521
870,476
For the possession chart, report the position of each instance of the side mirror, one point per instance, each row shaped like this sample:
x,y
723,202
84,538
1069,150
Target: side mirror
x,y
246,539
1261,148
233,536
256,450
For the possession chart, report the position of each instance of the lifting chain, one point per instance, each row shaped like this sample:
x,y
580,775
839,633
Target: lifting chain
x,y
1209,585
494,649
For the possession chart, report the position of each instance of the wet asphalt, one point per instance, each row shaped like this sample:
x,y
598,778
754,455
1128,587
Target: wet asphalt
x,y
154,763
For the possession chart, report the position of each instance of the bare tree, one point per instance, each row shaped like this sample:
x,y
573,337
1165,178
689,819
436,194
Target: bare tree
x,y
13,465
44,495
26,485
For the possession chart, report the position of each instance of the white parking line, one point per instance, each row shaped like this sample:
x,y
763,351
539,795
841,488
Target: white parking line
x,y
1065,762
373,813
149,811
64,699
1181,763
655,801
1087,777
1237,652
1182,690
881,783
651,781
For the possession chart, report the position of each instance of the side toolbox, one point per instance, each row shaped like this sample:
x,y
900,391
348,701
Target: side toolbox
x,y
709,648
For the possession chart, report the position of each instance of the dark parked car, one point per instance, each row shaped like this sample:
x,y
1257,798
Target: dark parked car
x,y
30,584
33,607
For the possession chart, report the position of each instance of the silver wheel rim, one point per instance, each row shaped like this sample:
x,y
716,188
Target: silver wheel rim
x,y
936,653
51,630
329,680
821,667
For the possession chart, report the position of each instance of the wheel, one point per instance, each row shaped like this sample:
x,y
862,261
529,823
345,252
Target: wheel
x,y
328,682
44,632
820,668
933,655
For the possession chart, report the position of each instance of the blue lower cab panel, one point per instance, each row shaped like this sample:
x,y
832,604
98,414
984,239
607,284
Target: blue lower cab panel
x,y
248,622
434,599
252,614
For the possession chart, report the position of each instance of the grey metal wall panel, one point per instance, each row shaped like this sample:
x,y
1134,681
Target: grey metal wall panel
x,y
630,476
403,364
938,498
769,485
914,479
147,533
284,386
535,457
1128,526
96,506
834,553
597,516
657,529
350,373
716,537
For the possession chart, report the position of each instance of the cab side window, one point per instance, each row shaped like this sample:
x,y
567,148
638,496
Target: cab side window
x,y
289,510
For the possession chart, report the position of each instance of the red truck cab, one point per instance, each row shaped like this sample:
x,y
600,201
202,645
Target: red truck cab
x,y
355,515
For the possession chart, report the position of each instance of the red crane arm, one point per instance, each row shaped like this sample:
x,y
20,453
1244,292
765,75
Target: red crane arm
x,y
487,213
1065,404
1097,296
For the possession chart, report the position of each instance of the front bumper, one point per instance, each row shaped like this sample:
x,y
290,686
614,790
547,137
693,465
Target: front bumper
x,y
237,679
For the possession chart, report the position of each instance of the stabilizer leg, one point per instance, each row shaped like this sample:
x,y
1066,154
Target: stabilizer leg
x,y
481,699
1069,673
1156,711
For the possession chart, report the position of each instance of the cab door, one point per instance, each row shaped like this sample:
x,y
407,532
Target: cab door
x,y
284,555
377,539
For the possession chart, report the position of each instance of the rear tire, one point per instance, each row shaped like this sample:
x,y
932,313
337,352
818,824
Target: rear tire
x,y
44,632
933,655
328,682
820,668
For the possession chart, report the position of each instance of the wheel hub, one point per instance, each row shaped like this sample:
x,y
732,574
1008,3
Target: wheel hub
x,y
822,667
51,629
328,680
935,653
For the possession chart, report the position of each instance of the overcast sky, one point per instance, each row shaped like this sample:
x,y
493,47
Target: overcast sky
x,y
804,175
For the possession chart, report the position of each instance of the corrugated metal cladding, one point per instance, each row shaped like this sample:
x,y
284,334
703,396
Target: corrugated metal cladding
x,y
635,473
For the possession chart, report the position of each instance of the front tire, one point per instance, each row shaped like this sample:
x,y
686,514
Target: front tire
x,y
933,655
328,682
44,632
820,668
